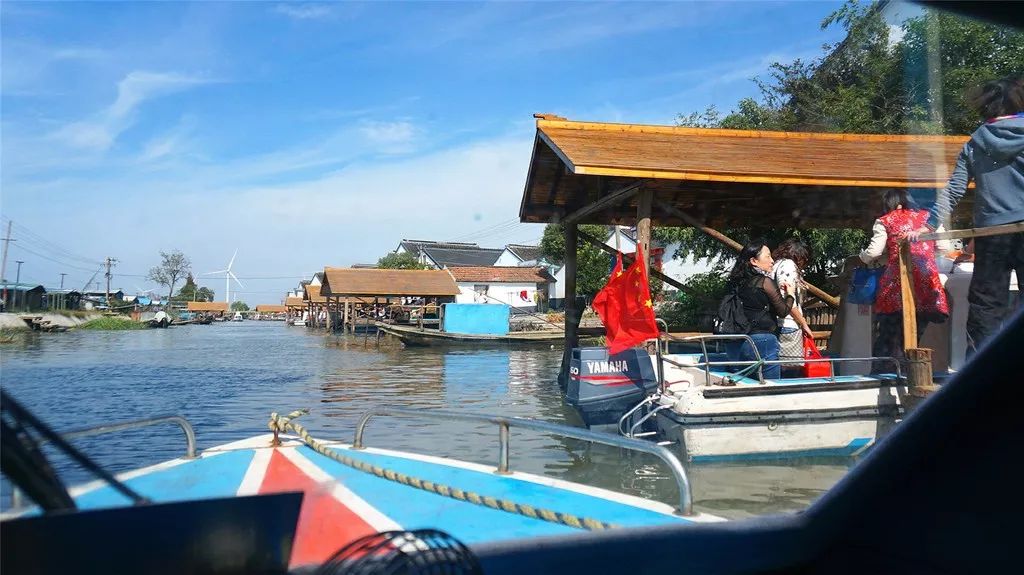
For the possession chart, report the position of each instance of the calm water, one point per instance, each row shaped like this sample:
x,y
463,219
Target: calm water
x,y
227,378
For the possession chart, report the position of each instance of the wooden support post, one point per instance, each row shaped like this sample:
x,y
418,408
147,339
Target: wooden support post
x,y
907,296
689,220
643,226
919,372
572,318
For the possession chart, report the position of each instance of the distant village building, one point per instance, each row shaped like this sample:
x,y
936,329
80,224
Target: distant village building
x,y
439,255
518,255
208,307
23,296
525,289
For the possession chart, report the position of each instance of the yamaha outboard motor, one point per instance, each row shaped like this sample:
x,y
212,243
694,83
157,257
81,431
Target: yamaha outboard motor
x,y
603,388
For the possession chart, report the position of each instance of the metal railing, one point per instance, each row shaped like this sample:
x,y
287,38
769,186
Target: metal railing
x,y
190,439
190,434
504,423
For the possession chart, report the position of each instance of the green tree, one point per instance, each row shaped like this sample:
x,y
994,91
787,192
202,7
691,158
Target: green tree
x,y
865,84
400,261
239,306
592,264
192,292
173,266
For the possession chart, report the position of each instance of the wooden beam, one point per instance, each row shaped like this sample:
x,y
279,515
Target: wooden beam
x,y
627,260
974,232
613,199
821,294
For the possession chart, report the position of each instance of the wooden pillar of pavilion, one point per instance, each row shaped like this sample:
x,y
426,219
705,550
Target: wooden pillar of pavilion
x,y
572,317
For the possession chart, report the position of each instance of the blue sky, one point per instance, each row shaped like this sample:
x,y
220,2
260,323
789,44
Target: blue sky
x,y
307,135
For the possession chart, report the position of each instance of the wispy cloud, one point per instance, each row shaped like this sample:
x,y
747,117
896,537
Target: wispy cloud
x,y
390,137
304,11
99,132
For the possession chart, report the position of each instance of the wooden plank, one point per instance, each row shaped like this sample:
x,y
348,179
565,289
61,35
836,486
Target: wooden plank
x,y
1013,228
907,298
612,199
821,294
565,124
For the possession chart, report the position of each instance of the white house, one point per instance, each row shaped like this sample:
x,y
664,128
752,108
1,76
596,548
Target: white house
x,y
518,255
520,287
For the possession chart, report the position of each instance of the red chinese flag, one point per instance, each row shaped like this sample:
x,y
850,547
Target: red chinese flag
x,y
625,307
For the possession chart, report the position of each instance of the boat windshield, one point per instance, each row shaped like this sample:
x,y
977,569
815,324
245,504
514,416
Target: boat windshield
x,y
756,235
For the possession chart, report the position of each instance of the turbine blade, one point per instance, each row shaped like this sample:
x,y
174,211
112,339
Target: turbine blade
x,y
232,259
236,279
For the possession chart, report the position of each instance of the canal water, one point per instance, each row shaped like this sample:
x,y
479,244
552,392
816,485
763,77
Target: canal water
x,y
227,378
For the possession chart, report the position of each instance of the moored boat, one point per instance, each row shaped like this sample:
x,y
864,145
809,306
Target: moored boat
x,y
715,409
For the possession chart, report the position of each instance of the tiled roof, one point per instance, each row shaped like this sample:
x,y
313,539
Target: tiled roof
x,y
525,253
446,257
481,274
417,245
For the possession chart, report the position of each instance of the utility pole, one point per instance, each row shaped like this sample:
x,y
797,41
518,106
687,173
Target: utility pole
x,y
3,266
109,263
62,280
16,282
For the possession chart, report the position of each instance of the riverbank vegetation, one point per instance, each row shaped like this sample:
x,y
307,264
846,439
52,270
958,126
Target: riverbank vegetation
x,y
113,323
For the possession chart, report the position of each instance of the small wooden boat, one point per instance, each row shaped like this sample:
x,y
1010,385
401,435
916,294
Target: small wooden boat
x,y
413,336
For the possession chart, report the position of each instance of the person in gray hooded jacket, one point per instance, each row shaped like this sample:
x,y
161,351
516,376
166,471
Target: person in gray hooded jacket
x,y
994,159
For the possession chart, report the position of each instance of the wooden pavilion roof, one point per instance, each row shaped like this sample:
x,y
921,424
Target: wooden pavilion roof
x,y
356,282
271,308
221,306
313,294
294,301
726,177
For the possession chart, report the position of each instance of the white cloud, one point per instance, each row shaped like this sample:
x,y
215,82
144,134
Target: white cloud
x,y
389,137
304,11
99,132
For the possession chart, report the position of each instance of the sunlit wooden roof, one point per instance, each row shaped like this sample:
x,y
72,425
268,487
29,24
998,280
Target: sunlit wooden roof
x,y
387,282
728,177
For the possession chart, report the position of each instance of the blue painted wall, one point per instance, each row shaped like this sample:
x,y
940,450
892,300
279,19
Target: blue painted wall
x,y
476,318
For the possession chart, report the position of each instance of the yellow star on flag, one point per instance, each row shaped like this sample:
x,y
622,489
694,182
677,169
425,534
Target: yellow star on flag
x,y
648,303
619,273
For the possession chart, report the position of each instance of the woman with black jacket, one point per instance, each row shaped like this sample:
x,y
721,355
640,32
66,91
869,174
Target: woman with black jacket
x,y
763,305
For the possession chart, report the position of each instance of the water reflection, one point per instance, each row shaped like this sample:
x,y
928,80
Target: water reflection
x,y
227,378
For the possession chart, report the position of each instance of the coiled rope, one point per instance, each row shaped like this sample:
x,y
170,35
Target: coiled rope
x,y
282,424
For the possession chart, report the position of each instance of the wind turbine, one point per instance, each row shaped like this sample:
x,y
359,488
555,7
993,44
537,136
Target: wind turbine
x,y
228,276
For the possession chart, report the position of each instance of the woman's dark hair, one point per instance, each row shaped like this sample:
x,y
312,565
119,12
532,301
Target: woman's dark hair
x,y
895,198
742,269
793,249
996,98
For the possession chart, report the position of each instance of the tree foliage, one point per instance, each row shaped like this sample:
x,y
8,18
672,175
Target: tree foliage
x,y
173,266
400,261
239,306
874,81
192,292
592,264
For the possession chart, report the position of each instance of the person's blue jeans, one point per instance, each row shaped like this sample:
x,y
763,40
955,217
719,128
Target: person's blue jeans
x,y
767,345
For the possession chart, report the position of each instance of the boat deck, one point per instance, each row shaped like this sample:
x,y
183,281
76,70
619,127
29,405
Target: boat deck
x,y
342,504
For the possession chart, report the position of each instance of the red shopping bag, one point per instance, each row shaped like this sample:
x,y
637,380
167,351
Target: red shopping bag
x,y
816,369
